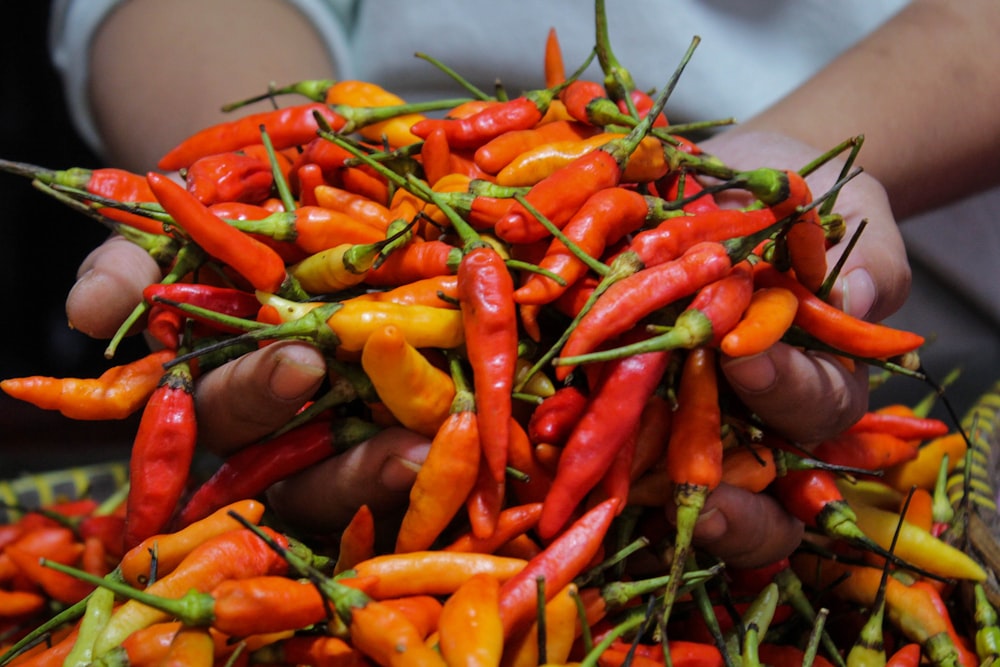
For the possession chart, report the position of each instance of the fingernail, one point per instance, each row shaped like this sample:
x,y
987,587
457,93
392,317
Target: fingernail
x,y
292,379
752,374
858,292
398,473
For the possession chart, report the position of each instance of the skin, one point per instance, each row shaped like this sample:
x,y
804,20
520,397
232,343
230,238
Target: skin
x,y
900,87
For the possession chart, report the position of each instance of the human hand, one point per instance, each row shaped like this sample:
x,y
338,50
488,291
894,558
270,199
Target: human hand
x,y
873,284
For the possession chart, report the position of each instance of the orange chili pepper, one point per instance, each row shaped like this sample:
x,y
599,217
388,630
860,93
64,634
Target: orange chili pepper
x,y
395,131
768,316
560,618
115,394
358,207
316,650
497,153
469,631
448,474
922,471
865,450
190,647
555,72
389,638
430,572
752,468
357,540
806,242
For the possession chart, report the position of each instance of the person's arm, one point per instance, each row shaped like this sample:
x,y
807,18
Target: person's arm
x,y
923,89
160,71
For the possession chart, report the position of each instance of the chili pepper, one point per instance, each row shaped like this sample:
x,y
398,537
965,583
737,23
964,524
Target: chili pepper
x,y
337,268
607,423
117,393
676,234
966,655
357,540
909,609
920,510
630,299
287,127
550,638
358,207
489,321
313,228
230,176
559,563
752,467
414,261
646,164
310,177
767,317
865,450
535,479
473,131
56,585
694,453
351,322
470,632
16,604
807,244
161,456
225,300
251,470
787,655
498,152
190,647
901,425
50,654
236,553
436,292
607,216
168,550
394,131
165,325
555,72
922,471
388,637
907,655
363,181
512,522
430,572
916,546
435,156
256,262
836,328
447,475
554,418
485,501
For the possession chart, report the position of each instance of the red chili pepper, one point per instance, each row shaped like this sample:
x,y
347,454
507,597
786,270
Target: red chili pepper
x,y
435,156
254,261
606,217
414,261
485,289
559,563
230,176
251,470
316,650
578,95
473,131
58,586
535,479
850,335
806,243
161,455
291,126
224,300
630,299
555,417
905,426
310,177
866,450
613,410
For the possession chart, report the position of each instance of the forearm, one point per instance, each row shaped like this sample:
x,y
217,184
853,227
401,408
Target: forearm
x,y
923,91
185,59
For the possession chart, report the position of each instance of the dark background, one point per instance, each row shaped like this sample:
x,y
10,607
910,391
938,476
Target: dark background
x,y
42,245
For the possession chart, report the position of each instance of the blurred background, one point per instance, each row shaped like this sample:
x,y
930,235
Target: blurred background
x,y
42,245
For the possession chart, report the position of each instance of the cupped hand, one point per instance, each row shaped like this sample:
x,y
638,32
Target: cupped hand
x,y
806,395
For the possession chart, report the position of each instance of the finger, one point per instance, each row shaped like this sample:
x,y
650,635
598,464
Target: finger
x,y
255,394
805,396
109,284
377,473
746,529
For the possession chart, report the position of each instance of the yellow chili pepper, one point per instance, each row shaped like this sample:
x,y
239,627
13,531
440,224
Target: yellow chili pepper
x,y
418,393
923,470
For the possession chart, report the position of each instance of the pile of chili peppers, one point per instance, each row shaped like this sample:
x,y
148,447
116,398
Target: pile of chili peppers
x,y
542,285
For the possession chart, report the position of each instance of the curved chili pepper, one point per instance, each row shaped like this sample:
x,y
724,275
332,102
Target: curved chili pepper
x,y
905,425
485,289
287,127
357,540
500,151
161,456
558,564
336,268
254,261
429,572
836,328
225,300
418,393
227,177
313,228
163,553
601,432
473,131
865,450
414,261
251,470
767,317
966,655
117,393
447,475
190,647
554,418
57,585
606,217
922,471
356,206
233,554
394,131
806,245
630,299
987,629
512,522
485,501
470,632
389,638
